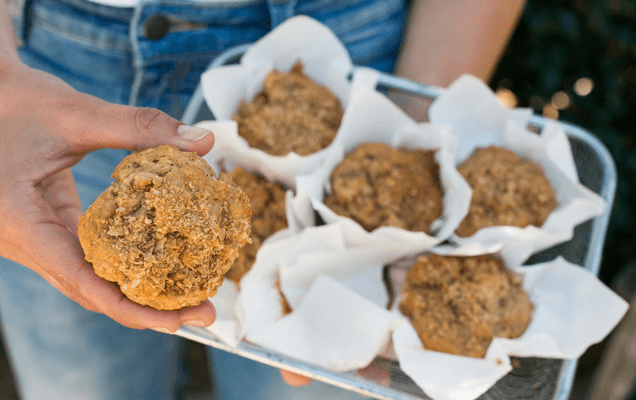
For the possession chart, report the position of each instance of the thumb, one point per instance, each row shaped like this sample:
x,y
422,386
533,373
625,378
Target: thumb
x,y
134,128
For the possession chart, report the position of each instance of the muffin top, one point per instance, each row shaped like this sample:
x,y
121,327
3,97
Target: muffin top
x,y
458,305
292,114
507,191
378,185
166,230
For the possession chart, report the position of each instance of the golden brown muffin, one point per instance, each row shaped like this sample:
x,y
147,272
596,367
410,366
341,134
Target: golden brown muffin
x,y
458,305
507,191
378,185
166,230
267,200
292,114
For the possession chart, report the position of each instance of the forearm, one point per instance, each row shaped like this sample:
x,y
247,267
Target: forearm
x,y
8,50
445,39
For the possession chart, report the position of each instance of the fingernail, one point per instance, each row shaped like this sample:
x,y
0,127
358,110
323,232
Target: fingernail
x,y
195,323
192,133
162,330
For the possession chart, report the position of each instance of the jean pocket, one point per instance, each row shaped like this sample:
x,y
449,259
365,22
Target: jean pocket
x,y
85,51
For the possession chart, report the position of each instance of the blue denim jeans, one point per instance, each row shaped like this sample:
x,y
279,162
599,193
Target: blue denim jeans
x,y
58,349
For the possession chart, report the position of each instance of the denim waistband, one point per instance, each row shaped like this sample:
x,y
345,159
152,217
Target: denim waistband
x,y
195,27
110,46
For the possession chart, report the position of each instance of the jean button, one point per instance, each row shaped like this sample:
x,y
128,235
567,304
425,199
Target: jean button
x,y
156,27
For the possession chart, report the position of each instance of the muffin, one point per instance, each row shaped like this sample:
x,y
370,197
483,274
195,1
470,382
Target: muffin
x,y
458,305
378,185
507,191
267,201
292,114
166,230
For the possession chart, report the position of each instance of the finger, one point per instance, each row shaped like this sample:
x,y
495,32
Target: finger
x,y
18,255
378,371
202,315
105,125
60,191
81,301
63,265
293,379
109,300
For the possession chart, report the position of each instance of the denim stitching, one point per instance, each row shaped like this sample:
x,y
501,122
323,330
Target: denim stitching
x,y
106,47
190,56
135,89
121,14
315,6
202,5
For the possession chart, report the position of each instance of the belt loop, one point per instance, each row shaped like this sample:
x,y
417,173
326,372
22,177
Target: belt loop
x,y
137,57
280,11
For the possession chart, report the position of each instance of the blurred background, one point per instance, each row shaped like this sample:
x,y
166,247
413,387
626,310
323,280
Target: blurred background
x,y
572,60
575,60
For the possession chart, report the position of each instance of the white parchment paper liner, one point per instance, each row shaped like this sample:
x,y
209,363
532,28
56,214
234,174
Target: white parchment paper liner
x,y
303,256
478,119
339,318
343,251
227,324
333,327
573,309
374,118
325,60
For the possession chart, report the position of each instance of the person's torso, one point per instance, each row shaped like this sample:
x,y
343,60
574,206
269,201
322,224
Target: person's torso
x,y
153,54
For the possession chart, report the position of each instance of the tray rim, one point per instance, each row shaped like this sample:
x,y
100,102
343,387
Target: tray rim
x,y
362,386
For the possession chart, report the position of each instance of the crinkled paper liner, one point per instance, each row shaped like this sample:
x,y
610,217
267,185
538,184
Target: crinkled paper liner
x,y
325,60
227,325
334,283
374,118
573,309
477,119
339,318
340,321
337,268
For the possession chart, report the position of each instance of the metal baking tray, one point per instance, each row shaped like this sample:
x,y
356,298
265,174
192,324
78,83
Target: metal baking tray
x,y
532,378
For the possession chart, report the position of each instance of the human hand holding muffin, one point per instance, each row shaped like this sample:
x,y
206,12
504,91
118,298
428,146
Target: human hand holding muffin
x,y
47,128
167,229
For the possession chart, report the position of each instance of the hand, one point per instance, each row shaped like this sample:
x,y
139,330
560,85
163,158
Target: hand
x,y
293,379
378,372
415,107
45,128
